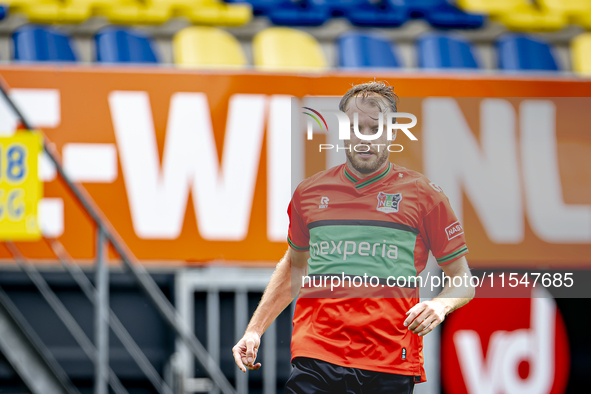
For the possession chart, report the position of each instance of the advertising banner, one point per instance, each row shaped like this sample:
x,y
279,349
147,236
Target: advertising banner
x,y
196,167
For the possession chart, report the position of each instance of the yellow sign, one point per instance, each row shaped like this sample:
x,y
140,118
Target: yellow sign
x,y
20,187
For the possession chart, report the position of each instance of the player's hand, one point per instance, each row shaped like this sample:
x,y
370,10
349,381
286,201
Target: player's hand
x,y
246,350
425,316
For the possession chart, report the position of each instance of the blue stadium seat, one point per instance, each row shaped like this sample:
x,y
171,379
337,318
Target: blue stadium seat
x,y
441,14
521,52
35,43
343,7
299,13
439,50
383,13
260,7
290,13
123,45
359,50
3,11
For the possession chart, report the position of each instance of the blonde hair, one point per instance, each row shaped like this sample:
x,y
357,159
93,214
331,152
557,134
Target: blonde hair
x,y
374,93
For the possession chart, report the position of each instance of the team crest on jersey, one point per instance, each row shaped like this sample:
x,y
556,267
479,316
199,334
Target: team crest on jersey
x,y
388,203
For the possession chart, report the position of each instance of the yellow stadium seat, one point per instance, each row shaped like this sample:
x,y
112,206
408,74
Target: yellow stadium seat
x,y
203,12
578,11
49,11
285,49
22,5
71,11
528,19
133,13
58,13
518,15
583,19
207,47
489,6
570,7
213,12
580,50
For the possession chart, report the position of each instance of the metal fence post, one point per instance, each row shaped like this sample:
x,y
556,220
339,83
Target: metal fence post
x,y
101,317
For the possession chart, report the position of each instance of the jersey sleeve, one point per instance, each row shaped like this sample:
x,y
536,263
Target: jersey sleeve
x,y
298,235
441,228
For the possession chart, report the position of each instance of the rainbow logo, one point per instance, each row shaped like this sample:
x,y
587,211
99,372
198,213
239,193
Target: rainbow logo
x,y
315,118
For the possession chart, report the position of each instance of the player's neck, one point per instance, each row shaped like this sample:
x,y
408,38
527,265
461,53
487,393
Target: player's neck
x,y
361,175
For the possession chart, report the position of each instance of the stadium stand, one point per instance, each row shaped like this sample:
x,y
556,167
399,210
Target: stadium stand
x,y
122,45
201,46
518,15
444,50
520,52
34,43
401,24
581,54
286,49
385,13
359,50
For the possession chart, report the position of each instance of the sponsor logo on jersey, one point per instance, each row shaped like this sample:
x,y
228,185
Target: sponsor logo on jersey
x,y
454,230
346,248
388,203
323,202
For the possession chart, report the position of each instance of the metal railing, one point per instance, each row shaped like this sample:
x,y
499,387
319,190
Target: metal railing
x,y
240,282
107,233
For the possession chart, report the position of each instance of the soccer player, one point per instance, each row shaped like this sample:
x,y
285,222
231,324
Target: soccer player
x,y
365,217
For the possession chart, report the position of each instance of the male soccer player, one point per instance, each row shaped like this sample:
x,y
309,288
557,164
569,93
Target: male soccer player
x,y
365,217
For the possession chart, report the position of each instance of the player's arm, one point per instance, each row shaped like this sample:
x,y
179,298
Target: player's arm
x,y
425,316
283,287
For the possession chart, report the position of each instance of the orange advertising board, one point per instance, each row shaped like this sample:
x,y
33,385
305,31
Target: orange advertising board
x,y
181,162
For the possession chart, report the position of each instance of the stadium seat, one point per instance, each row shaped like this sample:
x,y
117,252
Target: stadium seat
x,y
290,13
359,50
216,12
532,20
520,52
203,12
22,5
569,7
385,13
583,19
299,13
285,49
343,7
3,11
201,46
578,11
51,11
439,50
121,45
520,15
34,43
441,14
134,12
580,51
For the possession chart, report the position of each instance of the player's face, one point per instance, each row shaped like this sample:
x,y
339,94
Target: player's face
x,y
366,156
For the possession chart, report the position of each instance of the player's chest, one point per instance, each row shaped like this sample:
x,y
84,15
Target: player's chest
x,y
394,203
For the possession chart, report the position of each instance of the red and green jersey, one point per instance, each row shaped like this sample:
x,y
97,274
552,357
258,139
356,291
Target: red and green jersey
x,y
382,226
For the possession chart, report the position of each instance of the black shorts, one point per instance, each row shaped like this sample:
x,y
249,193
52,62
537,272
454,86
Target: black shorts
x,y
312,376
